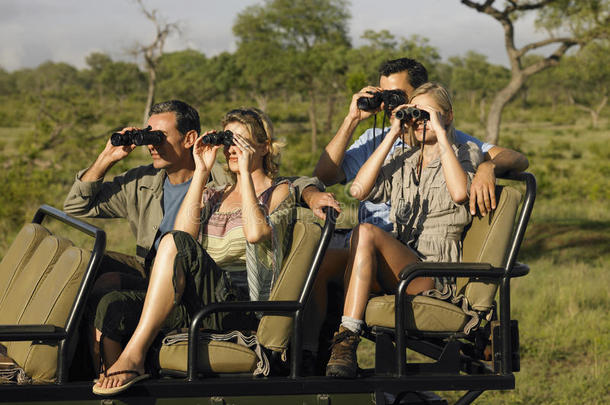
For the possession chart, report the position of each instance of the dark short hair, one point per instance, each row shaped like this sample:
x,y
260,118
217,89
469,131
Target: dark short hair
x,y
187,118
416,72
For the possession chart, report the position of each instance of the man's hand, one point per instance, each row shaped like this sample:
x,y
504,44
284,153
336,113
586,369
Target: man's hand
x,y
107,158
316,200
483,189
356,113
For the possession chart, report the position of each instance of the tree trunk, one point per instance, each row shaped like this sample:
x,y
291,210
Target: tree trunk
x,y
497,106
482,103
330,112
312,120
524,96
150,99
261,101
594,112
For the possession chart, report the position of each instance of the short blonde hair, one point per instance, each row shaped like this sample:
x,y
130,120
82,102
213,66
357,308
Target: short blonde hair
x,y
441,96
260,127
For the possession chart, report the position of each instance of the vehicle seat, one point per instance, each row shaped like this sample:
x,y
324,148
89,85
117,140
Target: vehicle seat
x,y
486,241
41,275
274,332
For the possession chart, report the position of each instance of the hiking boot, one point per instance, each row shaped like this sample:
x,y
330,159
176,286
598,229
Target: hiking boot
x,y
343,362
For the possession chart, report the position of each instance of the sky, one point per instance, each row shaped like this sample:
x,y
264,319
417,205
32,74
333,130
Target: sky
x,y
35,31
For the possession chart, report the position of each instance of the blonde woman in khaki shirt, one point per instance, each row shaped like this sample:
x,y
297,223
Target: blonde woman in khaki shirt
x,y
428,188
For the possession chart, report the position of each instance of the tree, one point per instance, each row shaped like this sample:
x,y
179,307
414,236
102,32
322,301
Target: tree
x,y
285,45
115,79
473,76
581,20
183,75
587,79
381,46
153,51
7,86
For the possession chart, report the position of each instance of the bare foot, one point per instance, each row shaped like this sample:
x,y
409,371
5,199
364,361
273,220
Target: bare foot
x,y
121,372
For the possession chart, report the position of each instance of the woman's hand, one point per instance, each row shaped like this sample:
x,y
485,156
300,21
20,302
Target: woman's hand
x,y
397,125
245,152
204,154
436,121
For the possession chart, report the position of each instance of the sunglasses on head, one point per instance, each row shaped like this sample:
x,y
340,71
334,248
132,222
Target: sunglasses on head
x,y
250,113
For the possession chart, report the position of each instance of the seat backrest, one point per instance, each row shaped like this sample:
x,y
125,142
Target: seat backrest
x,y
487,241
50,304
274,331
18,254
27,279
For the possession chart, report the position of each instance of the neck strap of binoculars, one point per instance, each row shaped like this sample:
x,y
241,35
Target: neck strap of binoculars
x,y
421,156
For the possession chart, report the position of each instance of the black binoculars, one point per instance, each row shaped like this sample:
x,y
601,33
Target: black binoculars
x,y
390,99
137,137
219,138
411,113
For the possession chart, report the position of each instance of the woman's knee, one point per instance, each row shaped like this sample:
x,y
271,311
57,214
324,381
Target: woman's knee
x,y
364,235
167,245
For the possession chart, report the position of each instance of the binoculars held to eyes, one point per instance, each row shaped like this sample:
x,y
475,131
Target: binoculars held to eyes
x,y
137,137
219,138
412,113
390,99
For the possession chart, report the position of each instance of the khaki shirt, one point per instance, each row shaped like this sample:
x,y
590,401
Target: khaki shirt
x,y
137,195
424,215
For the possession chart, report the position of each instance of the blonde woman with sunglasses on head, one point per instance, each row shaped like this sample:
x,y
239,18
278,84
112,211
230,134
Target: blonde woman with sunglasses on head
x,y
227,245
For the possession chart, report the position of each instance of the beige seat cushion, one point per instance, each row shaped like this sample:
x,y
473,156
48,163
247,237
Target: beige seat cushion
x,y
18,254
29,277
50,305
423,314
274,331
214,357
487,241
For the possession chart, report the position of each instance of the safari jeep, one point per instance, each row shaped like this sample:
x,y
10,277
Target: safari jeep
x,y
45,280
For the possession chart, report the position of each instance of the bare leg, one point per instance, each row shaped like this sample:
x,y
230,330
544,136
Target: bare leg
x,y
159,302
376,259
112,349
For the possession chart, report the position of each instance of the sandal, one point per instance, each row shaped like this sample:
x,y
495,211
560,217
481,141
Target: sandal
x,y
117,390
103,370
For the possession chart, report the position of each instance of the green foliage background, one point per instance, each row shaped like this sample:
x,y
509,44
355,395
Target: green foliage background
x,y
55,119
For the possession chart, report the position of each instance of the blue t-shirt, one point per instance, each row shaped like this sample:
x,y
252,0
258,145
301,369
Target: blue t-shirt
x,y
357,154
173,194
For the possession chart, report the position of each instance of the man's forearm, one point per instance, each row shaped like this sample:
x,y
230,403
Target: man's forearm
x,y
509,161
98,169
328,168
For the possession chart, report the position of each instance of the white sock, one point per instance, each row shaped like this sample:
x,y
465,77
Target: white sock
x,y
353,324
